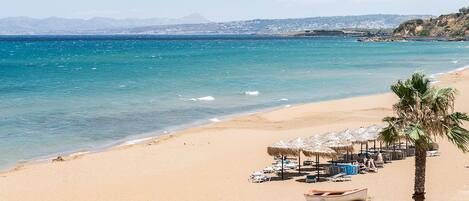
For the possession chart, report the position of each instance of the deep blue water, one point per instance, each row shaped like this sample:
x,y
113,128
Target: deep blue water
x,y
68,93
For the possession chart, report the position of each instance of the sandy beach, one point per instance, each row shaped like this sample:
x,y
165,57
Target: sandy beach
x,y
212,163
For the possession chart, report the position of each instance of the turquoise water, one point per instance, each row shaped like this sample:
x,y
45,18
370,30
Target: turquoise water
x,y
64,94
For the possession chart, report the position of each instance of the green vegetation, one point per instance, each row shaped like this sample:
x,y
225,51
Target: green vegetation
x,y
464,10
450,26
423,113
424,33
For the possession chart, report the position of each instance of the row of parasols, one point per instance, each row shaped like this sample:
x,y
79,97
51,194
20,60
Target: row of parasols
x,y
327,145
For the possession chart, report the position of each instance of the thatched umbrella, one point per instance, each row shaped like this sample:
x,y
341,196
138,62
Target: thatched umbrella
x,y
298,144
360,137
373,134
281,149
319,150
338,143
349,139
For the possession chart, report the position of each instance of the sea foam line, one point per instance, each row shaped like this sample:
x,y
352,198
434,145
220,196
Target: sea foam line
x,y
434,77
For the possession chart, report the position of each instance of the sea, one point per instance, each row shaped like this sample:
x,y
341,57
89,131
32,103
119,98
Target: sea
x,y
66,94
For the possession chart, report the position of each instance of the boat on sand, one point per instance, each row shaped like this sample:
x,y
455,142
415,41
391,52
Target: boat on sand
x,y
359,194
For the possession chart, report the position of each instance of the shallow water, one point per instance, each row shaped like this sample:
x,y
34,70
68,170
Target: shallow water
x,y
61,94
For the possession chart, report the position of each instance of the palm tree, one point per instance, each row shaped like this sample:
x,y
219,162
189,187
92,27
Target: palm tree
x,y
423,113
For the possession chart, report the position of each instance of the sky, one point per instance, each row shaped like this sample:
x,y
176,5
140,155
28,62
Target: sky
x,y
222,10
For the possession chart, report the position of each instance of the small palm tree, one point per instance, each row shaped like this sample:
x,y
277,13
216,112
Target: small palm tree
x,y
423,113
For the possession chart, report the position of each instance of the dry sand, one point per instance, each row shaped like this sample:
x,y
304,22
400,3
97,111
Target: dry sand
x,y
213,163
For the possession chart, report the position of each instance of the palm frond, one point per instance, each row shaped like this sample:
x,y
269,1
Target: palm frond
x,y
416,133
440,99
459,136
390,133
458,117
420,82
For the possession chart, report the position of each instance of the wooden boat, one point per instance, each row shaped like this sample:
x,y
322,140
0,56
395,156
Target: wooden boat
x,y
335,195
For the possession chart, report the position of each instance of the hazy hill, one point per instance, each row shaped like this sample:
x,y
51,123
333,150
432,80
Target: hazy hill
x,y
276,26
55,25
196,24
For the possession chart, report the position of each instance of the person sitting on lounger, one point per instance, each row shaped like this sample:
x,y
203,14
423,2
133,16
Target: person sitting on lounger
x,y
362,167
370,164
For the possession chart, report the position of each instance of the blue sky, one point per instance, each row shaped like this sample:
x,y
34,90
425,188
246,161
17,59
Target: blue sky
x,y
222,10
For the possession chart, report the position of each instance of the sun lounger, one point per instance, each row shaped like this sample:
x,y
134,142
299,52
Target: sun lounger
x,y
311,179
340,177
433,153
379,162
258,177
269,169
291,165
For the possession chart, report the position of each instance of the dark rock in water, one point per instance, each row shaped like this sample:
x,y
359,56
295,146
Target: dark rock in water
x,y
58,159
381,39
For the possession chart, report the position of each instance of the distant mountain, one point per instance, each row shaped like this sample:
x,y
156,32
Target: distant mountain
x,y
55,25
452,26
196,24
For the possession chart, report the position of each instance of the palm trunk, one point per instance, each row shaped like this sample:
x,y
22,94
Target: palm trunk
x,y
420,164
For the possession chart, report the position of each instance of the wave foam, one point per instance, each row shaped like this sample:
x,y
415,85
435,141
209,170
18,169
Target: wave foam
x,y
215,120
206,98
434,76
136,141
251,93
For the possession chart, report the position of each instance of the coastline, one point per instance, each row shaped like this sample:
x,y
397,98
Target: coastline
x,y
144,138
149,137
212,162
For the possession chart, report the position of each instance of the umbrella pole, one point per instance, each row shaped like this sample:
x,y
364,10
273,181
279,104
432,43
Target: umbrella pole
x,y
317,166
299,162
366,153
406,147
361,148
282,166
346,156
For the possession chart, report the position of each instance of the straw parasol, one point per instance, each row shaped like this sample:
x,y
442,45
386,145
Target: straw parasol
x,y
350,139
347,135
360,135
372,132
282,149
298,144
318,149
336,142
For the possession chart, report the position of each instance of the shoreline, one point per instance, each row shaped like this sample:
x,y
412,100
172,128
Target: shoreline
x,y
212,163
175,131
161,135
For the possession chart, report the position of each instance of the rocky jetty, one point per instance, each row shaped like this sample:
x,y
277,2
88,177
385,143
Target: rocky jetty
x,y
381,39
